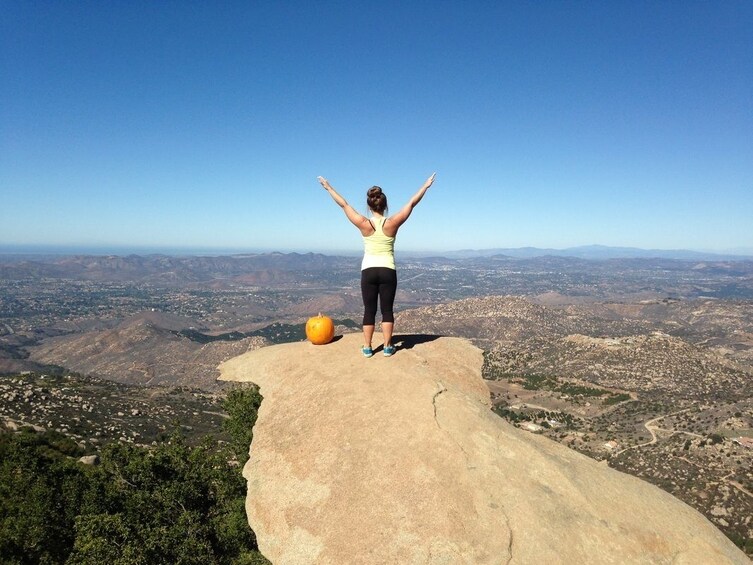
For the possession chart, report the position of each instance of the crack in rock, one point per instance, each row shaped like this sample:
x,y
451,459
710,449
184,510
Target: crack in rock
x,y
509,544
442,389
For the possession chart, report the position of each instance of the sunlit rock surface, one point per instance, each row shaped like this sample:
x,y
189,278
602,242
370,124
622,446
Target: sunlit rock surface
x,y
400,460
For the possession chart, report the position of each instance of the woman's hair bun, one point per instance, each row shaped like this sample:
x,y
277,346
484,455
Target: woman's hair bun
x,y
376,199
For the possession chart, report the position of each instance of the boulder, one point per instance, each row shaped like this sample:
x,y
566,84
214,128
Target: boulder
x,y
401,460
89,460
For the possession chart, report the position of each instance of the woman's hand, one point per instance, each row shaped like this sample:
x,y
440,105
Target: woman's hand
x,y
324,182
430,180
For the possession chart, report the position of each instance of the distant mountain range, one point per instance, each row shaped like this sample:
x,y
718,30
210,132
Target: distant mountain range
x,y
600,252
276,258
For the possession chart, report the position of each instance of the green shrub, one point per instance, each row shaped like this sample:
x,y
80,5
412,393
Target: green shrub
x,y
242,405
171,503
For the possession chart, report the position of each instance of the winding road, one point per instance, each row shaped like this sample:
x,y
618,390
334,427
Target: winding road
x,y
649,425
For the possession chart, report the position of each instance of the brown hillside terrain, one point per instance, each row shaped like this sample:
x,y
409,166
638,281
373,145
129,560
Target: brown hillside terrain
x,y
138,351
512,318
598,343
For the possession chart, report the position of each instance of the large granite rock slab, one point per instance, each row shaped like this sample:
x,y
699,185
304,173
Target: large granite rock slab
x,y
401,460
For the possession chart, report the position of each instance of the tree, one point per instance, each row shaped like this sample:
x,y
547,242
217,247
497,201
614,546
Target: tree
x,y
172,503
242,405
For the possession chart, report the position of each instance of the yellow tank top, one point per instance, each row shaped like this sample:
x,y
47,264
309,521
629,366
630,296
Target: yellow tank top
x,y
378,249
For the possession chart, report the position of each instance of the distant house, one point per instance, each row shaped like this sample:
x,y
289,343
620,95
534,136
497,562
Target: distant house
x,y
611,445
531,427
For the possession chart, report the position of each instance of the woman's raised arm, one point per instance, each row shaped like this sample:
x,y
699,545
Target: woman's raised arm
x,y
398,219
358,220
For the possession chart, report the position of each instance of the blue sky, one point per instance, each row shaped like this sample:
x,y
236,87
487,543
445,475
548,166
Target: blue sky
x,y
205,124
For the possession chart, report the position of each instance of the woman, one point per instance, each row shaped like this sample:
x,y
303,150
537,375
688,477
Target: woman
x,y
378,274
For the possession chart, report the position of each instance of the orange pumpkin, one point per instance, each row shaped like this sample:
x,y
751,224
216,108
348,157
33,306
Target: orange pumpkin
x,y
320,329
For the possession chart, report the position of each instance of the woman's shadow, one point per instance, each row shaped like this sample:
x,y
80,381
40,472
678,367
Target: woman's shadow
x,y
408,341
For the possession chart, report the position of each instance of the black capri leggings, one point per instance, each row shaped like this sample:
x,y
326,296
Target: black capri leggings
x,y
378,282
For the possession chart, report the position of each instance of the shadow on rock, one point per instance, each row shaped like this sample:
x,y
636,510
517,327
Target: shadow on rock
x,y
408,341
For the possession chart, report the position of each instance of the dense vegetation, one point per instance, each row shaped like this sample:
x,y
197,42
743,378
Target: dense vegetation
x,y
275,333
169,503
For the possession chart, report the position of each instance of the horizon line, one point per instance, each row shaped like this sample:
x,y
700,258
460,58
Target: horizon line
x,y
120,250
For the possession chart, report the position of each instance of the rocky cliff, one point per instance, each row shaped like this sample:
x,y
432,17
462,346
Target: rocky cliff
x,y
400,460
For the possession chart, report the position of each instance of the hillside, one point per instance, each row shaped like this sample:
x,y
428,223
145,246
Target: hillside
x,y
620,346
94,412
145,350
513,319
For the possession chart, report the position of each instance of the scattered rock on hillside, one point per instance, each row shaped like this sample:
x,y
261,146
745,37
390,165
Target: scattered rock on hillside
x,y
89,459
